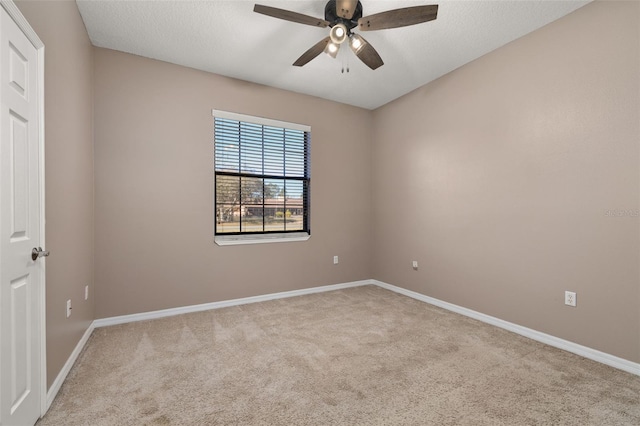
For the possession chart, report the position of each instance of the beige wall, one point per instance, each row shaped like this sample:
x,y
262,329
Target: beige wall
x,y
497,178
154,190
69,173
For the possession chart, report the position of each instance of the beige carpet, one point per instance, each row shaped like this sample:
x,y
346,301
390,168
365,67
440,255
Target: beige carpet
x,y
361,356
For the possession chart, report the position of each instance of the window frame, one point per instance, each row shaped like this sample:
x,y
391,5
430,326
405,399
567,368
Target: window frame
x,y
236,238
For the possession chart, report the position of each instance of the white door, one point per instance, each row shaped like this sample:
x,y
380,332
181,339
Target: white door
x,y
21,278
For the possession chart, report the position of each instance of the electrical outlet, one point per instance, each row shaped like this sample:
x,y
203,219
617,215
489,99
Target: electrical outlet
x,y
335,260
86,292
68,308
415,264
570,298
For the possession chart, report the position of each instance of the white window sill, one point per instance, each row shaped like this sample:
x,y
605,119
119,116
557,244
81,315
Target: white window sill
x,y
232,240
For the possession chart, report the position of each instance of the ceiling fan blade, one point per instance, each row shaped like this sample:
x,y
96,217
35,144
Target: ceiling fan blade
x,y
345,8
315,50
288,15
365,52
398,18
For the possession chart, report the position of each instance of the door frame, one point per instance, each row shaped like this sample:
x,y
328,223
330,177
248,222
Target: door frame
x,y
12,9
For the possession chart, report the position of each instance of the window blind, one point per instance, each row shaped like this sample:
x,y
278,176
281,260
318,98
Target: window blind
x,y
262,176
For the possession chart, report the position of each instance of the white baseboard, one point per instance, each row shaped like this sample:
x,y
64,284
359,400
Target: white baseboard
x,y
62,375
584,351
593,354
104,322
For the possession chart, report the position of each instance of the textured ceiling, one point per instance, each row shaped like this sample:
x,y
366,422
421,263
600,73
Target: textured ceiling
x,y
226,37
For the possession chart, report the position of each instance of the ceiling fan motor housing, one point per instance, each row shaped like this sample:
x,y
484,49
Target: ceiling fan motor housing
x,y
332,17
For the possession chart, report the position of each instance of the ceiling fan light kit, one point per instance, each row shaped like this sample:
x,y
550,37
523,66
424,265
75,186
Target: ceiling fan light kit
x,y
355,42
344,15
332,49
338,33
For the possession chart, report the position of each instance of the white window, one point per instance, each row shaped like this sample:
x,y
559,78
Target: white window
x,y
261,179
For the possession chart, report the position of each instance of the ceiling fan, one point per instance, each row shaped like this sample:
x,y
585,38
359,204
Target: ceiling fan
x,y
342,16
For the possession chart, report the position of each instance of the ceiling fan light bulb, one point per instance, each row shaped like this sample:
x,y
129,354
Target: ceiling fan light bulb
x,y
332,49
338,33
356,42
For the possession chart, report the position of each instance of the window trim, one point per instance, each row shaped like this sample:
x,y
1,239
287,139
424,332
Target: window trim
x,y
258,238
285,237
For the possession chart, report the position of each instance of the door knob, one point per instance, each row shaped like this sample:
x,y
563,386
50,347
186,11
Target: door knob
x,y
38,252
